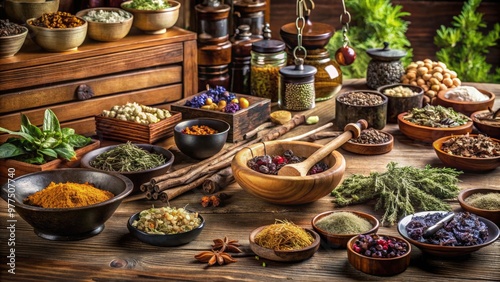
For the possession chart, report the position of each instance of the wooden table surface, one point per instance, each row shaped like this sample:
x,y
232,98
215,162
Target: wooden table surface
x,y
114,255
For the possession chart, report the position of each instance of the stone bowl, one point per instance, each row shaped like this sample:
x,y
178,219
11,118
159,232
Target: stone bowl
x,y
398,104
58,39
21,10
10,45
154,21
375,115
287,190
102,31
67,224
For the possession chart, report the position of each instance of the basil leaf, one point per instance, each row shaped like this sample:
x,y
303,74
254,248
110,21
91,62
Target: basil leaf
x,y
26,136
66,151
49,152
50,121
50,142
32,130
25,120
39,159
78,141
8,150
66,132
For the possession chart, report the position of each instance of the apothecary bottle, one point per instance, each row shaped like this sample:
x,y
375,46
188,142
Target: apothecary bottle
x,y
328,79
240,63
213,76
251,13
268,56
296,87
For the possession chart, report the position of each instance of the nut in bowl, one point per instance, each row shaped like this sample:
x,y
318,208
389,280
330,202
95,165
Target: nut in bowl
x,y
444,243
470,152
401,98
338,227
68,223
178,226
484,202
465,99
107,24
58,32
377,254
201,138
287,190
12,42
153,17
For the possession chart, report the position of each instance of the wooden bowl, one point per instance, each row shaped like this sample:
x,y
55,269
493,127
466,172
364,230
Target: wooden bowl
x,y
340,240
154,21
11,44
447,251
58,39
19,11
379,266
397,105
484,127
466,108
284,256
287,190
370,149
493,215
102,31
429,134
465,163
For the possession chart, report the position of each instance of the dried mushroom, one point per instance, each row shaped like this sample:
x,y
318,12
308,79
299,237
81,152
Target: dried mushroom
x,y
471,146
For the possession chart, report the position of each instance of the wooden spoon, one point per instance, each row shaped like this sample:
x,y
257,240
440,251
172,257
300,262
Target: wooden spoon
x,y
300,169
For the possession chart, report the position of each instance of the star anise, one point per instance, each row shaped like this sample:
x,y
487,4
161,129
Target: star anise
x,y
225,244
214,256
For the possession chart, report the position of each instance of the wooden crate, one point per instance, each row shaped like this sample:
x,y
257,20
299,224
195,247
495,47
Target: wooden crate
x,y
241,122
121,130
22,168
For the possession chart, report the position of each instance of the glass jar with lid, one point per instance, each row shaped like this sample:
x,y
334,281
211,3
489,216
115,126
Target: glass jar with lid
x,y
251,13
385,67
268,56
296,87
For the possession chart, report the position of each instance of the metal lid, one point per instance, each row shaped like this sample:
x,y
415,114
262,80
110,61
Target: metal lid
x,y
268,46
298,71
386,54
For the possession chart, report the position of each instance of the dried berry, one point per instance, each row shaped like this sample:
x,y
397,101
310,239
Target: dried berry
x,y
377,246
271,164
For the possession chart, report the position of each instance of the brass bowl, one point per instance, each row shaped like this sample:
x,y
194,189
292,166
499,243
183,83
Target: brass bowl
x,y
10,45
465,163
58,39
287,190
154,21
21,10
101,31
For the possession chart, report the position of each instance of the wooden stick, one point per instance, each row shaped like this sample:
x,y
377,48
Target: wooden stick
x,y
322,135
170,194
218,181
275,133
254,132
298,137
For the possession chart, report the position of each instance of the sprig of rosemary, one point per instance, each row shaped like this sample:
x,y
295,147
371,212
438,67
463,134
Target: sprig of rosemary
x,y
400,190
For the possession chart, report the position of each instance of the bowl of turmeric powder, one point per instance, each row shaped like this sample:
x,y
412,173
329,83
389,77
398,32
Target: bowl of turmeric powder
x,y
67,204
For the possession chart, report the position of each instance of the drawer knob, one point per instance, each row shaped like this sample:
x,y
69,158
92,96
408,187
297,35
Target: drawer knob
x,y
84,92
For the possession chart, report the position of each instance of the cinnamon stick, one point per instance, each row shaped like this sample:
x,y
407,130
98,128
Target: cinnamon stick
x,y
170,194
279,131
252,133
218,181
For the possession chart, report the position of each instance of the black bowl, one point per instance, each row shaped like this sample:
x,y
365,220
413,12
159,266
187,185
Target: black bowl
x,y
137,177
201,146
67,224
168,240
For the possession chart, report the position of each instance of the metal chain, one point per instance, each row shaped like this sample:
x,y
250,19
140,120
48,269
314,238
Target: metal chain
x,y
345,24
300,23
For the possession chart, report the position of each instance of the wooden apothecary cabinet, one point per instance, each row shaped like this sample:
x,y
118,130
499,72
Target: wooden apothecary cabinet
x,y
153,70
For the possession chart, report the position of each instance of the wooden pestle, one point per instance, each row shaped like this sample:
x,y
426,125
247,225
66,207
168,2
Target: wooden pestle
x,y
300,169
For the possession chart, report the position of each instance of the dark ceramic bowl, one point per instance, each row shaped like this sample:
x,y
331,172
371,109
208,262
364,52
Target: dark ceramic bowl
x,y
447,251
67,224
375,115
493,215
397,105
201,146
137,177
168,240
284,256
340,240
379,266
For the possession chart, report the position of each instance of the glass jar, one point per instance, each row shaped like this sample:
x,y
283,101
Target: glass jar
x,y
296,87
385,67
268,56
213,76
251,13
328,79
212,22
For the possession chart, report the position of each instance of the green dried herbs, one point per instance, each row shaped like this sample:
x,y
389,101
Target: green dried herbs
x,y
400,190
436,116
127,158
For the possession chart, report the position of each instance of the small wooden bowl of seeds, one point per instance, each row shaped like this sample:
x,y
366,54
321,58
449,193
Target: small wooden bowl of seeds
x,y
369,105
370,142
469,152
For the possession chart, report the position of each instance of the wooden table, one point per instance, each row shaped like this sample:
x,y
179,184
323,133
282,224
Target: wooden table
x,y
115,255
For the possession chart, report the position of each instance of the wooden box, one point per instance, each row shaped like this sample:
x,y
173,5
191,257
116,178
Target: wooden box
x,y
241,122
121,130
22,168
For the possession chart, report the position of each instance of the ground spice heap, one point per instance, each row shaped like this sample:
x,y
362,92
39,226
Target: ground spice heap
x,y
484,201
68,195
344,223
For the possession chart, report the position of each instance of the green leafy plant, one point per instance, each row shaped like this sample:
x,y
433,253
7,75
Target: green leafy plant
x,y
463,47
373,23
38,146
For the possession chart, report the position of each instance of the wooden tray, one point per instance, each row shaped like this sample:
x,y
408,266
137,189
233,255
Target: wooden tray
x,y
22,168
121,130
241,122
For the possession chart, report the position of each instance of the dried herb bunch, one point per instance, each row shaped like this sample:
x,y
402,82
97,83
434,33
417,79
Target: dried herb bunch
x,y
400,190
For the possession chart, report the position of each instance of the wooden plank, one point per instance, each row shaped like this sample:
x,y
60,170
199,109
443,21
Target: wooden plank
x,y
92,107
190,70
130,81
